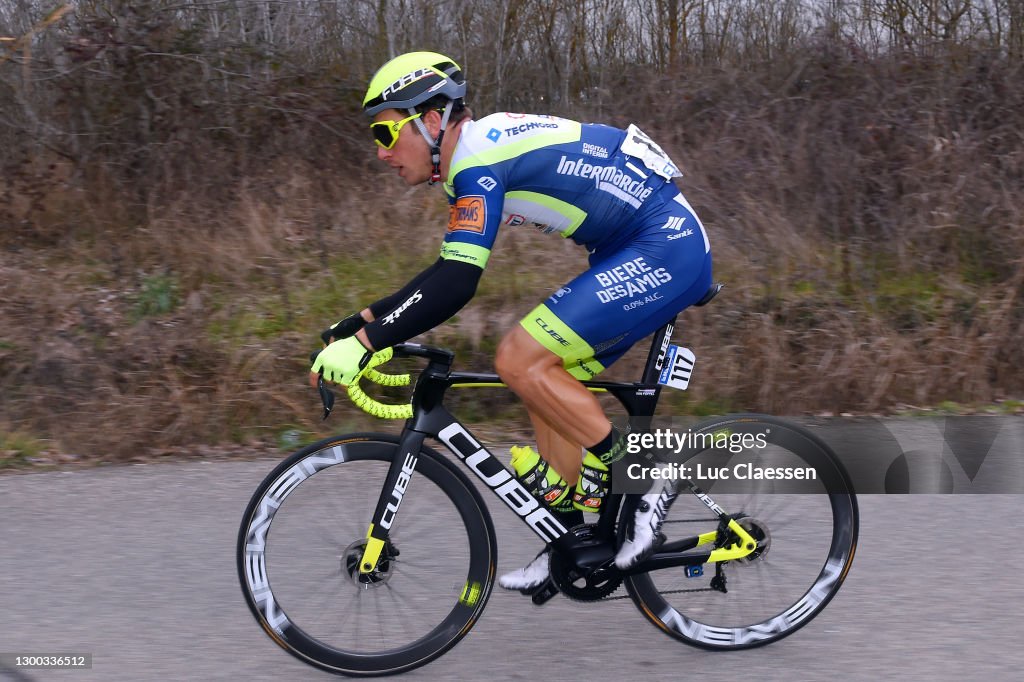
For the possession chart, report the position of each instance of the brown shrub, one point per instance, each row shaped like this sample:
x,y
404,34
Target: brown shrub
x,y
192,214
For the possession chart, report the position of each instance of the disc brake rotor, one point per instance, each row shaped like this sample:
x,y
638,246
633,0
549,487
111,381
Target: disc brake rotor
x,y
380,575
759,531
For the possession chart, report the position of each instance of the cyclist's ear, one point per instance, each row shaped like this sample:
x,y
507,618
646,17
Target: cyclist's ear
x,y
432,119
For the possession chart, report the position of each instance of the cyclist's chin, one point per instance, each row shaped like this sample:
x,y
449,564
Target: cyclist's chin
x,y
412,177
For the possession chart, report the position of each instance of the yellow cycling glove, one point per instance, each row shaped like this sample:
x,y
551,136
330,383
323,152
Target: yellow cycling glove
x,y
343,361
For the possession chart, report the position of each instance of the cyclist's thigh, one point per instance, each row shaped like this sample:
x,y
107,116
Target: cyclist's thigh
x,y
627,294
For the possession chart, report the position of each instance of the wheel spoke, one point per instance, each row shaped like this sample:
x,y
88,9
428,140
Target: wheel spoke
x,y
795,528
356,623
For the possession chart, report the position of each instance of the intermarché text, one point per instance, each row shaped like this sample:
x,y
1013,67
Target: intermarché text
x,y
607,179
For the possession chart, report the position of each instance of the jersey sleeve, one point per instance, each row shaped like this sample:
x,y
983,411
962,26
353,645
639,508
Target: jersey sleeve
x,y
476,200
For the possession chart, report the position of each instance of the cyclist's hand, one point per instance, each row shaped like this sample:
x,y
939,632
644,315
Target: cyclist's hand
x,y
344,329
341,362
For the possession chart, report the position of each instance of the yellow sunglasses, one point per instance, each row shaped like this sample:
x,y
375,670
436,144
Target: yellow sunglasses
x,y
385,133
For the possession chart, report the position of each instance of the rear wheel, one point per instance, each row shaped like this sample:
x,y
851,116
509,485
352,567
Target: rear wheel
x,y
806,532
302,537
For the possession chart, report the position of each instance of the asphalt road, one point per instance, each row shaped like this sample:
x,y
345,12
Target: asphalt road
x,y
136,565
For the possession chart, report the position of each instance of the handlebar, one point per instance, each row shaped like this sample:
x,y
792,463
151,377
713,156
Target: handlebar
x,y
372,406
365,402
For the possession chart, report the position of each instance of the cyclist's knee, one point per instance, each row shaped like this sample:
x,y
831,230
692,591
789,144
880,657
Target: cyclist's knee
x,y
520,358
509,361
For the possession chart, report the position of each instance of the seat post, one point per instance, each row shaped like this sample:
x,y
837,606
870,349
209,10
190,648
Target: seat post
x,y
659,345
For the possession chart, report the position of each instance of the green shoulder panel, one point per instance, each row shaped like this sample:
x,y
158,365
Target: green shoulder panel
x,y
571,131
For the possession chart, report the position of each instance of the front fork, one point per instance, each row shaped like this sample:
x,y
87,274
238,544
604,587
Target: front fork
x,y
395,486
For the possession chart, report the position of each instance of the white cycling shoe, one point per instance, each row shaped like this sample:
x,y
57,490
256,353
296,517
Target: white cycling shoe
x,y
645,535
640,542
530,576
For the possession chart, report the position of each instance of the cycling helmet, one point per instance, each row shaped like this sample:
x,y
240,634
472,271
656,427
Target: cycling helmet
x,y
411,79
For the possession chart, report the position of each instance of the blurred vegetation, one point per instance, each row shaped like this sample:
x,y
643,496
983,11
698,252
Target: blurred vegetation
x,y
188,195
18,448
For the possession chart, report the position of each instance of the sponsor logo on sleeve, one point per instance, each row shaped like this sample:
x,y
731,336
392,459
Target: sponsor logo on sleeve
x,y
455,252
397,312
487,182
468,213
564,291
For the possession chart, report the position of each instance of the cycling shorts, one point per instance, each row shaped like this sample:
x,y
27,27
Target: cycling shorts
x,y
627,293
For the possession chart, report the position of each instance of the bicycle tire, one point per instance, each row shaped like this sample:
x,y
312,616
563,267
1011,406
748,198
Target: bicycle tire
x,y
257,559
828,578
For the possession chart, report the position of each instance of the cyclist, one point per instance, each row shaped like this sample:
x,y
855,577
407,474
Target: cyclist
x,y
607,189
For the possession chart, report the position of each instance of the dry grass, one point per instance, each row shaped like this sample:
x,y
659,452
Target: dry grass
x,y
865,217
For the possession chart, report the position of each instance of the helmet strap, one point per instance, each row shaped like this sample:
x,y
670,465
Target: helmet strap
x,y
435,144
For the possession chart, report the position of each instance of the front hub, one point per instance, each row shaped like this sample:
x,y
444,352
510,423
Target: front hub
x,y
381,574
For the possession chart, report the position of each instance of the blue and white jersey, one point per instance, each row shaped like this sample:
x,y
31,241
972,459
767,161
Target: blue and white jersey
x,y
564,177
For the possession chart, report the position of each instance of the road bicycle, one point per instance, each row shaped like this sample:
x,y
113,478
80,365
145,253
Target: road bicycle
x,y
371,554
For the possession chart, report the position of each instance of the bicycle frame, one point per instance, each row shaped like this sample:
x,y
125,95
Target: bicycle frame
x,y
581,559
431,418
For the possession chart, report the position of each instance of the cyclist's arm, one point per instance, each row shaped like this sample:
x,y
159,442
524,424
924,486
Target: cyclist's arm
x,y
389,303
442,293
447,286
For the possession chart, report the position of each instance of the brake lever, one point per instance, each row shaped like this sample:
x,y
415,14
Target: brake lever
x,y
326,394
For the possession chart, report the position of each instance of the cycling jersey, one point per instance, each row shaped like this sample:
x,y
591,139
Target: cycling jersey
x,y
650,255
562,176
607,189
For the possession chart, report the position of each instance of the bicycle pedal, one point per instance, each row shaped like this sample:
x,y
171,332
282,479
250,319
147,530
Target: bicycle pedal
x,y
543,594
659,540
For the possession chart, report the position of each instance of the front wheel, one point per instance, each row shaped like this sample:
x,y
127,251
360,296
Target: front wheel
x,y
304,532
806,532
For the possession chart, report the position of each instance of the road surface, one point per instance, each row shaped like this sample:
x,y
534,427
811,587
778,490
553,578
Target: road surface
x,y
136,565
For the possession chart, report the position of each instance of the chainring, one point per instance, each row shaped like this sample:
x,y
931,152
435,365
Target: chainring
x,y
580,586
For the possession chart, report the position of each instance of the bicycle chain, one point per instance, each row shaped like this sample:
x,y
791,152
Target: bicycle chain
x,y
561,576
692,589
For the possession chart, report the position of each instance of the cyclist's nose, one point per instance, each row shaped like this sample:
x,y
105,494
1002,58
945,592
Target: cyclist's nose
x,y
383,154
